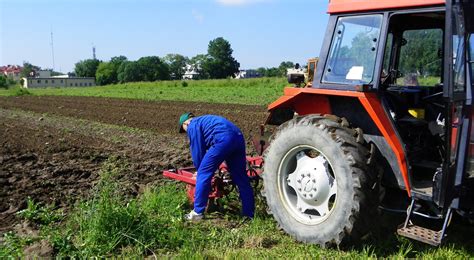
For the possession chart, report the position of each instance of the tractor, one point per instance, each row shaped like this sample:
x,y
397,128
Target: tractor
x,y
386,124
298,76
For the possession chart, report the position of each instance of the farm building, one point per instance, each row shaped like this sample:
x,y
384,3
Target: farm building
x,y
44,79
246,74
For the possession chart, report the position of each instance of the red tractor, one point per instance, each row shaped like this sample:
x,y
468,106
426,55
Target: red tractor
x,y
385,124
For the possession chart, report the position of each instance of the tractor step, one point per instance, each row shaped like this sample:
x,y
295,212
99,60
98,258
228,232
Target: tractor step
x,y
421,234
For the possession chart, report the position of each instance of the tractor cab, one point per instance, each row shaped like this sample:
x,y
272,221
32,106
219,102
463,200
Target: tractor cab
x,y
411,87
390,108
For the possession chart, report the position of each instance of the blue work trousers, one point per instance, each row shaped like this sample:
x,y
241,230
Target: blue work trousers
x,y
231,149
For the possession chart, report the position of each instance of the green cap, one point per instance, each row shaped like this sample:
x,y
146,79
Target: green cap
x,y
182,119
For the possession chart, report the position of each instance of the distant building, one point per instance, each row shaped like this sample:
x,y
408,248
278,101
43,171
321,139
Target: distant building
x,y
11,71
246,74
191,72
44,79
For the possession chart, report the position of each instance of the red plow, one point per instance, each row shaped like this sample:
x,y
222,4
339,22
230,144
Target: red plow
x,y
221,182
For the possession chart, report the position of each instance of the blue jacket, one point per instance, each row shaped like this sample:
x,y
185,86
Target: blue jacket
x,y
205,131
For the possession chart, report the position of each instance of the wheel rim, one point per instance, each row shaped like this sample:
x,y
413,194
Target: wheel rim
x,y
307,184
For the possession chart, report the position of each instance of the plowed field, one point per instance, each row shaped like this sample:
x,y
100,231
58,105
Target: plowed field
x,y
51,148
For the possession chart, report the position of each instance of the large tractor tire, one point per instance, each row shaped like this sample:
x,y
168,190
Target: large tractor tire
x,y
318,183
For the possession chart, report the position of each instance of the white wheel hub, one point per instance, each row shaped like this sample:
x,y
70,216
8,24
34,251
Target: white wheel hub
x,y
313,184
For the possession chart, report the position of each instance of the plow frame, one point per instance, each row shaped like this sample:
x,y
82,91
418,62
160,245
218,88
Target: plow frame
x,y
221,180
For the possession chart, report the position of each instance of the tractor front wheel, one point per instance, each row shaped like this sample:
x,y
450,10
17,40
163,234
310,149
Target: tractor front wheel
x,y
317,182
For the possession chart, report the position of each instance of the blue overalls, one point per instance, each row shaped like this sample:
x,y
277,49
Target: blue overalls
x,y
215,139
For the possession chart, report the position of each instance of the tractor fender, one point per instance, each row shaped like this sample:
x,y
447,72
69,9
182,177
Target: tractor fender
x,y
362,109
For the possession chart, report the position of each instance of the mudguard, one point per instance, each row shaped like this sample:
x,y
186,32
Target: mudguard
x,y
304,101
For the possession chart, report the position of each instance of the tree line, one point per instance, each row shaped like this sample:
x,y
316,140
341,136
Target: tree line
x,y
218,63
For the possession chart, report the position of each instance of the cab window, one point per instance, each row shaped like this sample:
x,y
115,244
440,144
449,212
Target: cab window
x,y
353,50
421,57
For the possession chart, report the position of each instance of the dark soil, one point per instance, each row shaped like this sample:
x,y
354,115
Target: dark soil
x,y
52,148
159,116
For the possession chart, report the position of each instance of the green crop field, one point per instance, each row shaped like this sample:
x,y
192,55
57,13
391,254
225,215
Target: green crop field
x,y
259,91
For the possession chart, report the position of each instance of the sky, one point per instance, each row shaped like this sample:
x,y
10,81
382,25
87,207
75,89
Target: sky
x,y
262,33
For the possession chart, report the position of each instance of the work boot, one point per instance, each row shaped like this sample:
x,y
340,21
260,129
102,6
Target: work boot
x,y
193,216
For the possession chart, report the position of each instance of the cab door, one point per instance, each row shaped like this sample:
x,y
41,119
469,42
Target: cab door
x,y
458,98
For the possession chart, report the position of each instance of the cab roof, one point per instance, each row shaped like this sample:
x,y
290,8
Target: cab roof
x,y
350,6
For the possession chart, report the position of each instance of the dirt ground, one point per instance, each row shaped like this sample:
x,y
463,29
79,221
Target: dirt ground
x,y
52,148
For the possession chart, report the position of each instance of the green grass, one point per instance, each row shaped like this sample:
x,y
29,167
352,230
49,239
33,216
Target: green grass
x,y
14,91
113,225
261,91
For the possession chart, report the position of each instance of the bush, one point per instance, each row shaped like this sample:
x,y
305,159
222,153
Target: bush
x,y
3,82
11,81
21,92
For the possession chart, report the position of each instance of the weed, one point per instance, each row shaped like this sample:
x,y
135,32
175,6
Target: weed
x,y
12,245
35,213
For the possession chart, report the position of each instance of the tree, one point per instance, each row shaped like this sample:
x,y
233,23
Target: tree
x,y
86,68
117,60
262,71
284,65
272,72
129,71
220,63
152,68
421,53
27,70
177,65
197,62
3,82
107,72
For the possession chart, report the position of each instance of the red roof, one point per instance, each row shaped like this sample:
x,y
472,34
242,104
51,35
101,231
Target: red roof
x,y
9,69
345,6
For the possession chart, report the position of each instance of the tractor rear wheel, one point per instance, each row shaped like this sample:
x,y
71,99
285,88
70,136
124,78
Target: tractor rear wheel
x,y
318,184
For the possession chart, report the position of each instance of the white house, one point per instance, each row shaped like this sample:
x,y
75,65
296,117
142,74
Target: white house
x,y
192,72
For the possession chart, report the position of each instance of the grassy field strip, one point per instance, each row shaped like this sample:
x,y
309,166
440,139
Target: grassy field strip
x,y
261,91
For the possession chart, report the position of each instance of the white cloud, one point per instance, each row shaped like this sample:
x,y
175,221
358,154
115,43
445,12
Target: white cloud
x,y
239,2
198,16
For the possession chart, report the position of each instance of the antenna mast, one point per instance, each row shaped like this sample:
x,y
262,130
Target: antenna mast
x,y
52,46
